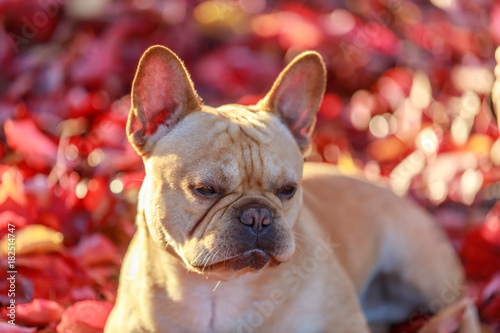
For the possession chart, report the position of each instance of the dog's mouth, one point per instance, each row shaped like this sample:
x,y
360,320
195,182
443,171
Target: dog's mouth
x,y
252,260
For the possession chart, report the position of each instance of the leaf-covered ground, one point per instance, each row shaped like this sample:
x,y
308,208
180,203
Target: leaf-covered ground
x,y
408,104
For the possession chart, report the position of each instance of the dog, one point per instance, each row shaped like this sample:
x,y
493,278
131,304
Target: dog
x,y
235,233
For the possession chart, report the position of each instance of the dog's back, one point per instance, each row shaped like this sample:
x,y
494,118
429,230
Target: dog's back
x,y
391,249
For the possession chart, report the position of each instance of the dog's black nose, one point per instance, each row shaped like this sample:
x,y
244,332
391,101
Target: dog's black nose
x,y
256,216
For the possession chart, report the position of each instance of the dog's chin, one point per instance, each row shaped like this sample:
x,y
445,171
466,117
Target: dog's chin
x,y
250,261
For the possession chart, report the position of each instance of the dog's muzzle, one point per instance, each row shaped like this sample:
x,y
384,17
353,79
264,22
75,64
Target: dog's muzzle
x,y
253,238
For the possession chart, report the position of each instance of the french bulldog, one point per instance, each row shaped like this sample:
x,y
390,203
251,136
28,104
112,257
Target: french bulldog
x,y
235,233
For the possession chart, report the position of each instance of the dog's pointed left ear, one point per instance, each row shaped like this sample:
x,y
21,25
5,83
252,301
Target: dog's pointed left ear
x,y
162,94
297,94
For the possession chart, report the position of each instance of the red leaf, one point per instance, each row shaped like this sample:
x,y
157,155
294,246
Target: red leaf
x,y
24,137
495,23
480,257
39,312
133,180
97,194
53,275
331,107
491,310
24,286
85,317
96,249
8,328
491,295
10,217
250,99
491,229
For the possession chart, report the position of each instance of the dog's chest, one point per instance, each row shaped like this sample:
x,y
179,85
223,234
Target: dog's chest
x,y
225,314
207,310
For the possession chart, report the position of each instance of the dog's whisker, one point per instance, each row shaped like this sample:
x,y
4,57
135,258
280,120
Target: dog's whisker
x,y
216,286
208,258
199,255
205,262
299,236
301,239
215,254
167,244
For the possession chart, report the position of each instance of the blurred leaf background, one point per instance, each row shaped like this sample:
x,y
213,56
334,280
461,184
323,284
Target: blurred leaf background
x,y
408,105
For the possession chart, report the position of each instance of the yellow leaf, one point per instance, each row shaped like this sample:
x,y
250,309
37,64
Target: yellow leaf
x,y
33,238
12,186
347,165
479,143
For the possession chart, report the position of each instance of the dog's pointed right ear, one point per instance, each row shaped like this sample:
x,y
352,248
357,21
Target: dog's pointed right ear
x,y
162,94
297,94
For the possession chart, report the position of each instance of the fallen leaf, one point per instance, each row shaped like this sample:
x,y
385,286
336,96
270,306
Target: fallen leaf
x,y
34,238
12,187
39,312
9,328
96,249
85,317
24,137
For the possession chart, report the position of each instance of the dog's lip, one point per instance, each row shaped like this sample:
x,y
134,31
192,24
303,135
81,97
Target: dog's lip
x,y
253,260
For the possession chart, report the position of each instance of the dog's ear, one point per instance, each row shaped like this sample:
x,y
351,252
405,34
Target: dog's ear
x,y
162,94
296,95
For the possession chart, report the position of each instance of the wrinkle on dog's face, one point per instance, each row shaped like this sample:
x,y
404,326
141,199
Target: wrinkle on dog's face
x,y
247,156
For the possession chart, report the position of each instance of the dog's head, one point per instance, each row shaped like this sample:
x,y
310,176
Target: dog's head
x,y
223,185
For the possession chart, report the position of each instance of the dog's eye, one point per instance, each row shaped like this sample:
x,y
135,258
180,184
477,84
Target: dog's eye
x,y
206,190
287,191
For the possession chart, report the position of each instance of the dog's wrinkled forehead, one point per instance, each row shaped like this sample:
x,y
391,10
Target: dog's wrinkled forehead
x,y
227,141
249,121
227,125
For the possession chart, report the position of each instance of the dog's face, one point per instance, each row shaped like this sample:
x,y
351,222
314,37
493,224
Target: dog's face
x,y
223,185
